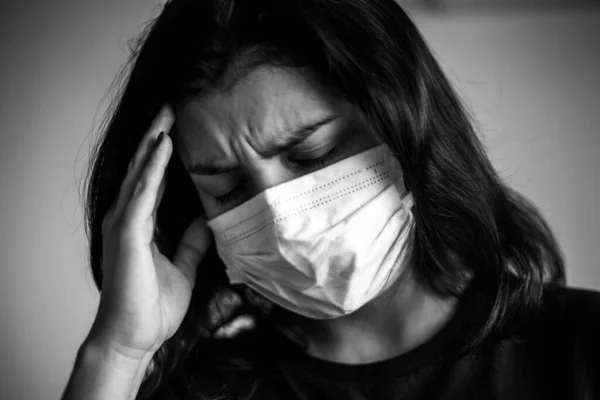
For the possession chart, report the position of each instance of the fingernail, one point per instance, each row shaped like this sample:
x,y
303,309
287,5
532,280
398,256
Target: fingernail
x,y
167,112
159,139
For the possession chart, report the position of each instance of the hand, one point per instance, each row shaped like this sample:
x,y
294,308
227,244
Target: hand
x,y
145,295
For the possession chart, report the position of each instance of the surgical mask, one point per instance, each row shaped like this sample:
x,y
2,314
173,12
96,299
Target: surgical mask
x,y
326,243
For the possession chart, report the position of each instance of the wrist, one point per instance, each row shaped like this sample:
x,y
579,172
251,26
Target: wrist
x,y
113,353
103,336
104,372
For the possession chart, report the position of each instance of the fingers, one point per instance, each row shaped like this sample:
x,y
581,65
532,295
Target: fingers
x,y
232,329
194,244
144,197
159,196
161,123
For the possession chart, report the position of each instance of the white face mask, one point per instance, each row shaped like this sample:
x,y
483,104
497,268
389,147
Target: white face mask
x,y
324,244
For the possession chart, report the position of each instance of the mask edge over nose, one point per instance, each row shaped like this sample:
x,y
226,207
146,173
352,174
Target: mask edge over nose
x,y
355,203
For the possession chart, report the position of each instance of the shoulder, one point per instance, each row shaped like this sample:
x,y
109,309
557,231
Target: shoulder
x,y
576,307
556,350
568,325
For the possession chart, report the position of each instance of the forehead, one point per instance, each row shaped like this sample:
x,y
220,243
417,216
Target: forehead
x,y
264,103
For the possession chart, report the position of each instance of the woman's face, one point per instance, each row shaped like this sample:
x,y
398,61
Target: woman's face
x,y
275,125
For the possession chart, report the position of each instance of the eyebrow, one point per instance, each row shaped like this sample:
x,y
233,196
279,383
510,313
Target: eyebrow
x,y
283,142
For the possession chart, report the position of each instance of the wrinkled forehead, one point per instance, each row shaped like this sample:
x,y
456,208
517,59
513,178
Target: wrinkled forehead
x,y
261,106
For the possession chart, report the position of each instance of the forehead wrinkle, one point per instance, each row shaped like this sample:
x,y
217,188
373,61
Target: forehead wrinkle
x,y
259,109
274,110
264,114
270,128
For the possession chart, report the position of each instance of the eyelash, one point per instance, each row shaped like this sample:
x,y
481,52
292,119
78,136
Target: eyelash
x,y
298,164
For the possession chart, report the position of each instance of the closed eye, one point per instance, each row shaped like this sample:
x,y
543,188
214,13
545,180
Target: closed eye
x,y
295,164
317,162
231,195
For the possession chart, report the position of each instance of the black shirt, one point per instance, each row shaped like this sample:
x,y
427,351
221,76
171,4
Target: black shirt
x,y
555,356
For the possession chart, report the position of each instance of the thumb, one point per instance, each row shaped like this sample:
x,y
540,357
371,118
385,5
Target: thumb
x,y
192,249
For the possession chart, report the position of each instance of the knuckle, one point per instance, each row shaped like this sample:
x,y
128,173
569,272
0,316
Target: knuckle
x,y
124,235
140,186
123,232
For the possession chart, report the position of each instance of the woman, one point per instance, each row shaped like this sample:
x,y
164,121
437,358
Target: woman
x,y
290,202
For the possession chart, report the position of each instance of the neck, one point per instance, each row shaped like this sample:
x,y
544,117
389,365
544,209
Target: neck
x,y
399,320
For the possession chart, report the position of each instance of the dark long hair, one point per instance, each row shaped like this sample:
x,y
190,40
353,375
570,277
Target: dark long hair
x,y
468,223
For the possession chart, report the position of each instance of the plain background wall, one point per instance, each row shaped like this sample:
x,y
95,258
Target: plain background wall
x,y
530,77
